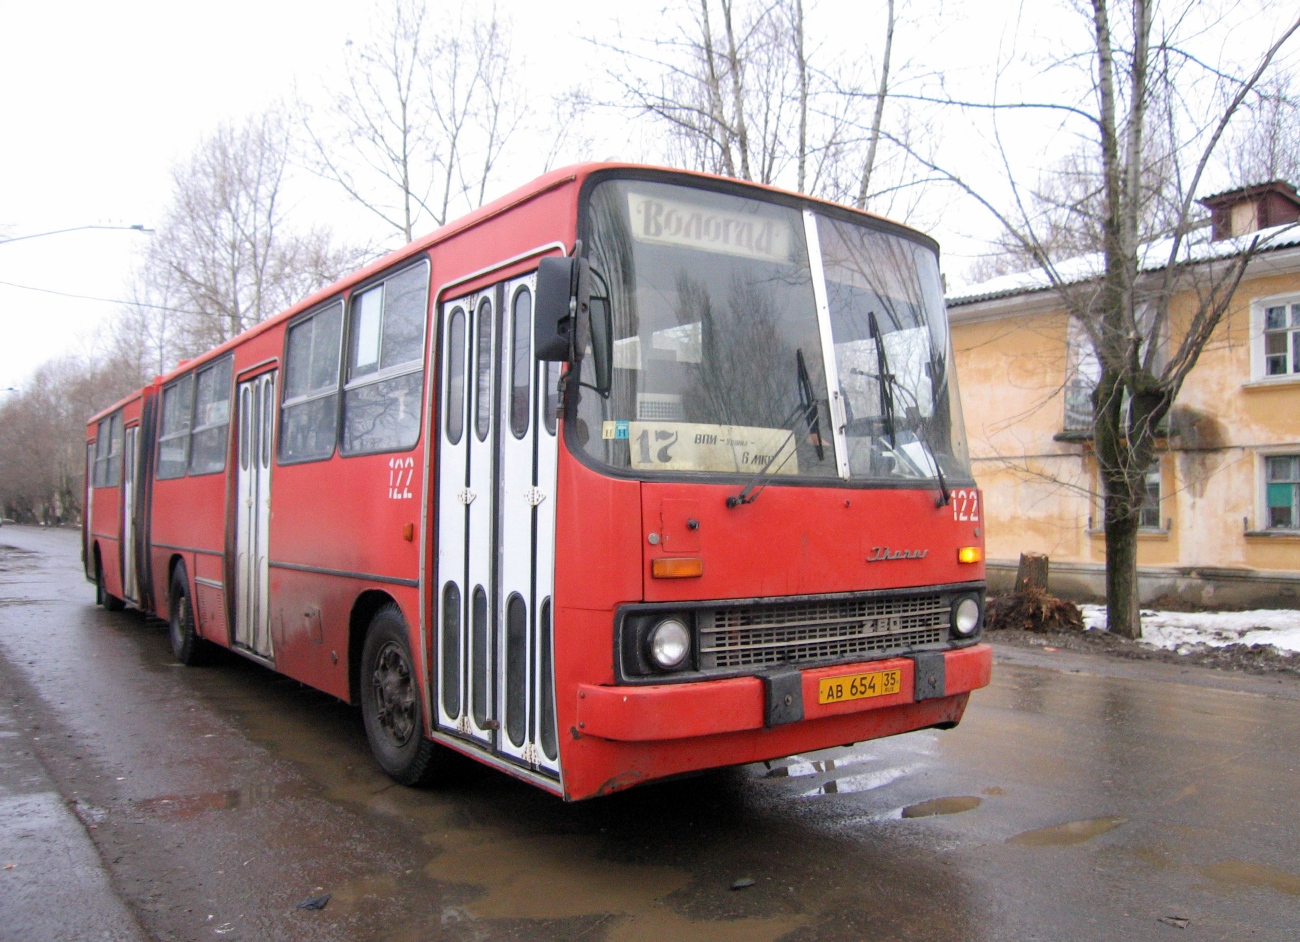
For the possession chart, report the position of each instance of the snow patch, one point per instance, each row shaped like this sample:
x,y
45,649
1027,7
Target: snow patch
x,y
1180,631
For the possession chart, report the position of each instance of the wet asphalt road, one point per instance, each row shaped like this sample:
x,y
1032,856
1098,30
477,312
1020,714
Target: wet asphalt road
x,y
1080,799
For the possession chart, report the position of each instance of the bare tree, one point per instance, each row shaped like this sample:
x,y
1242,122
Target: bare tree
x,y
569,134
42,467
1266,146
427,105
729,86
746,90
878,113
225,256
1130,201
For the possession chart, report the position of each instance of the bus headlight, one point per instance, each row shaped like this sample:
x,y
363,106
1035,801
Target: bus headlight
x,y
669,644
966,616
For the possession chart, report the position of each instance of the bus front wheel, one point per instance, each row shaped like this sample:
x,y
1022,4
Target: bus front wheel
x,y
390,702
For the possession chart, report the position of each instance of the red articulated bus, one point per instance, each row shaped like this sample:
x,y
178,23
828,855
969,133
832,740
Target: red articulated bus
x,y
630,473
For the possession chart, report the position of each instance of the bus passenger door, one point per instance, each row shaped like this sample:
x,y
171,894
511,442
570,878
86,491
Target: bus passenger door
x,y
130,464
466,467
496,527
253,514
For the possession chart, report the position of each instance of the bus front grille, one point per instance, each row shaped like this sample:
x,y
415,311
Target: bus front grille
x,y
820,631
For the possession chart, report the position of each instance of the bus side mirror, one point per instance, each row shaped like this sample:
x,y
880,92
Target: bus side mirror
x,y
556,309
602,346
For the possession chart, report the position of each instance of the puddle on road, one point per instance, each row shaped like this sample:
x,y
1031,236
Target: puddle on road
x,y
1242,873
846,773
937,806
1066,835
541,876
863,782
362,889
804,768
565,876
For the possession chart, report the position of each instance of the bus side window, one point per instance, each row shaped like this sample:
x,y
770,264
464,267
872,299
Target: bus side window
x,y
174,430
309,414
108,449
381,398
101,449
208,440
114,471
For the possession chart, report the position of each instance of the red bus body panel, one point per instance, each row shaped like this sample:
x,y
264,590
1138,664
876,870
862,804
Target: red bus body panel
x,y
349,534
106,526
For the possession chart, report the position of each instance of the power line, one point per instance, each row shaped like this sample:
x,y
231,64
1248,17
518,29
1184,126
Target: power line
x,y
36,235
90,297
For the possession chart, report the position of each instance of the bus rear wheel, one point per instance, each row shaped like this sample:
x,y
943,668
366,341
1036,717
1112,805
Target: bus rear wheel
x,y
390,702
187,646
111,603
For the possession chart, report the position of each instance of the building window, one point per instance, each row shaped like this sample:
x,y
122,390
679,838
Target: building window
x,y
1149,517
1083,367
1149,514
1281,339
1084,371
1282,491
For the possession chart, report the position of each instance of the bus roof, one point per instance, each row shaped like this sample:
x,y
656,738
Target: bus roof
x,y
554,179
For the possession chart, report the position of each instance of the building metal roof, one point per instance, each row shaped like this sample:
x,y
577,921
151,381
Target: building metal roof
x,y
1153,257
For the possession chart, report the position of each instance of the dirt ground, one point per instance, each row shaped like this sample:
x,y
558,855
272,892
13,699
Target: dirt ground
x,y
1247,658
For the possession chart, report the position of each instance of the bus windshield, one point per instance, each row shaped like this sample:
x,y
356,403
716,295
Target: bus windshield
x,y
719,353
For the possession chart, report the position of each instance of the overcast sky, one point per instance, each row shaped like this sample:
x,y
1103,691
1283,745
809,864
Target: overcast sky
x,y
102,99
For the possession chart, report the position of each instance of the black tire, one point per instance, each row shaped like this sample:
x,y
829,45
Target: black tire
x,y
187,646
111,603
390,702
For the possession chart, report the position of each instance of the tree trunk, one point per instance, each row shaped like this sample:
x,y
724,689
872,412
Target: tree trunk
x,y
882,90
1032,572
1123,614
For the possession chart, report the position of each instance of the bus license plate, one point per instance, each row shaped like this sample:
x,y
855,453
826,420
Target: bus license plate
x,y
859,686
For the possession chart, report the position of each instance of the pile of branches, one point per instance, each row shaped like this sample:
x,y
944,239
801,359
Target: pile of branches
x,y
1033,609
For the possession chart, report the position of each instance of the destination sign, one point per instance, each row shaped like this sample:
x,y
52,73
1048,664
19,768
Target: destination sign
x,y
687,446
688,225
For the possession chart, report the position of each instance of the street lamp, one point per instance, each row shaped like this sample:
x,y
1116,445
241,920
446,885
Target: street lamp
x,y
138,227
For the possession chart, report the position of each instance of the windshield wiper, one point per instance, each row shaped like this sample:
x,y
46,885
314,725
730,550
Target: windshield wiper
x,y
807,408
887,382
808,400
886,379
944,497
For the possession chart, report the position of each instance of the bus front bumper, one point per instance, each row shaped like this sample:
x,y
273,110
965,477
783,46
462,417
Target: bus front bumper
x,y
707,708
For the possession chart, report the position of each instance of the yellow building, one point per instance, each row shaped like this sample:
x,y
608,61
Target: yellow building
x,y
1222,519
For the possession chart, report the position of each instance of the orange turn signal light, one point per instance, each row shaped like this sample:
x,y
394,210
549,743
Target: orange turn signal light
x,y
677,567
969,554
